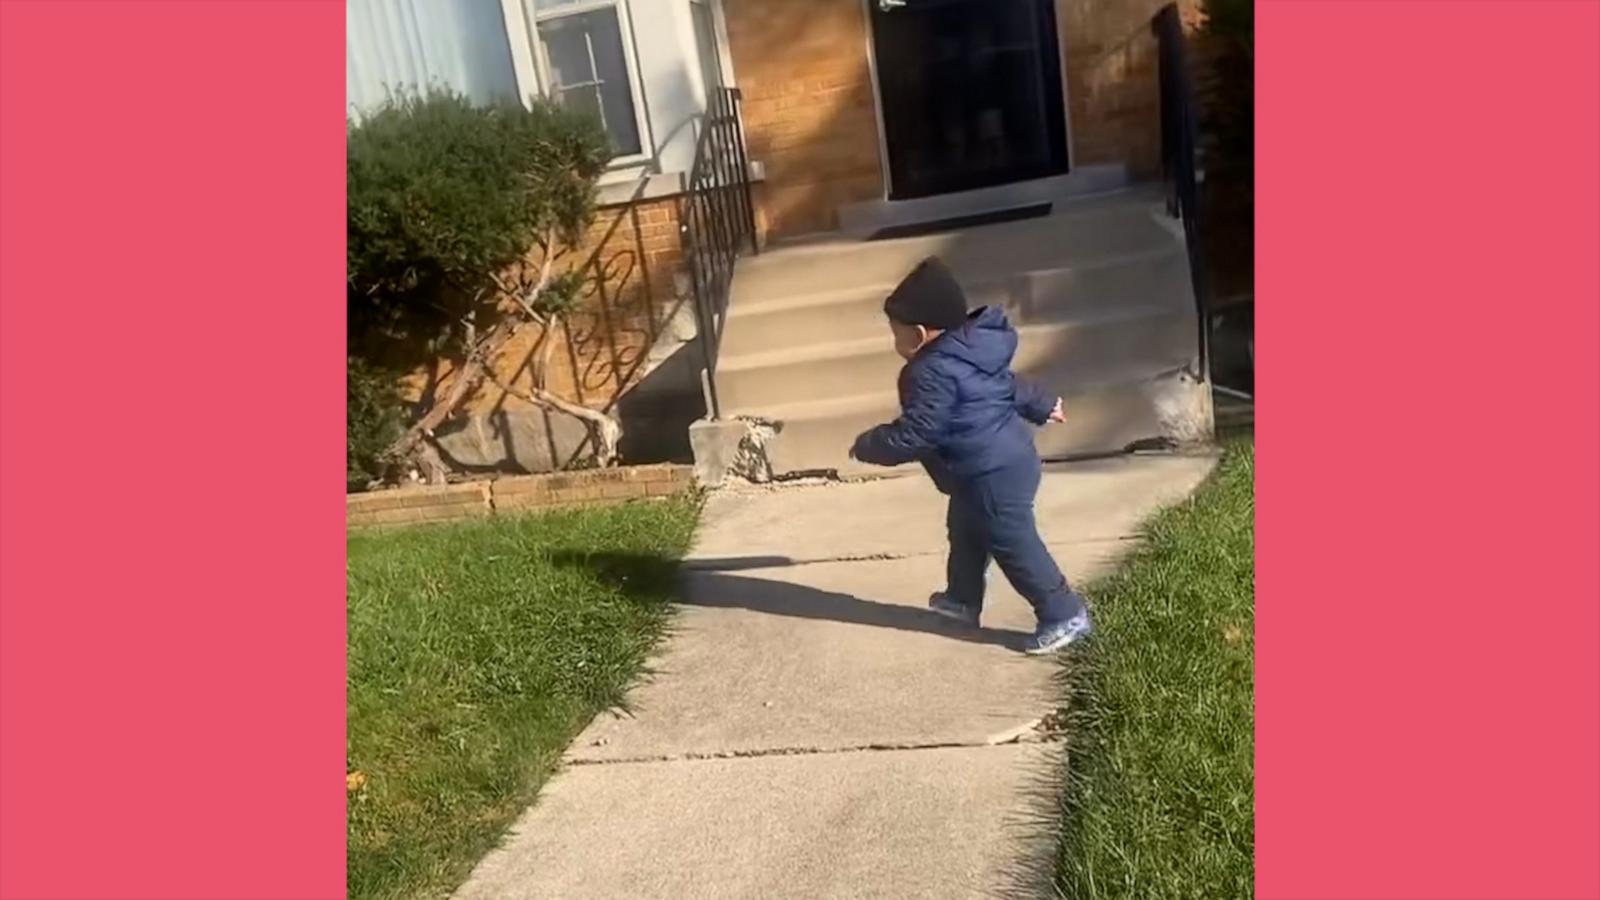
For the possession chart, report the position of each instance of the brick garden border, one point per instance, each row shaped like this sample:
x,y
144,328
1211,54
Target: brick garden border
x,y
480,499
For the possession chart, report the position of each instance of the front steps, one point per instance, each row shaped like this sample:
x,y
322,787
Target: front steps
x,y
1099,292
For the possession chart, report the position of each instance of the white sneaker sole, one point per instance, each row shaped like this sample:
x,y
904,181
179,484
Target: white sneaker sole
x,y
1061,643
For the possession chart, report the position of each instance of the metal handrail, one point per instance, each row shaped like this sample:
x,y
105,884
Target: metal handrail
x,y
1178,148
605,339
716,217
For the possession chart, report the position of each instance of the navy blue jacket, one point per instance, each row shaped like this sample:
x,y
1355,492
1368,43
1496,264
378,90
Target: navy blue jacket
x,y
963,413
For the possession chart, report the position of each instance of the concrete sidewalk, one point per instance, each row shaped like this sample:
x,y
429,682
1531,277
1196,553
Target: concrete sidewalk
x,y
811,730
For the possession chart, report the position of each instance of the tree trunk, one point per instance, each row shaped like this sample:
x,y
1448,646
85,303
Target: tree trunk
x,y
431,462
417,445
414,445
606,430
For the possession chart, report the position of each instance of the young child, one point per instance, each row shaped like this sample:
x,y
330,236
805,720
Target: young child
x,y
964,416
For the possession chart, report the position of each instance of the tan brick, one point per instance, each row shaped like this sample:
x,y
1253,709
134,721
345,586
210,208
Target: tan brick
x,y
372,502
662,489
452,513
421,496
807,109
389,517
1111,79
646,473
522,501
436,514
474,501
528,484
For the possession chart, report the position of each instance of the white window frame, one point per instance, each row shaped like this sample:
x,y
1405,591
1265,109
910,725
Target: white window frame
x,y
532,66
719,34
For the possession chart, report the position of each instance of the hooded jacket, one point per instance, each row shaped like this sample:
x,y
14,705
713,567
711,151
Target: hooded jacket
x,y
963,412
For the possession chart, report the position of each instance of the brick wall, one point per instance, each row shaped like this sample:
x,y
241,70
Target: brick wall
x,y
595,357
810,113
625,304
460,502
415,506
1113,94
622,350
808,108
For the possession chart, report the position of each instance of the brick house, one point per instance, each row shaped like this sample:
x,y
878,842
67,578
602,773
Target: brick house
x,y
853,105
857,116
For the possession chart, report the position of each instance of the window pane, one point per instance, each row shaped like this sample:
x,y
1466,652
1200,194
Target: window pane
x,y
585,51
705,38
583,99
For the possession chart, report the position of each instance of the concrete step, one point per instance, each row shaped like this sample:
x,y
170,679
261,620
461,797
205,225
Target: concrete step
x,y
1112,347
1104,287
1101,418
1078,234
1081,182
1099,291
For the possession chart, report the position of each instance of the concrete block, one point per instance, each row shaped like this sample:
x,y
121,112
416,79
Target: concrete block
x,y
730,450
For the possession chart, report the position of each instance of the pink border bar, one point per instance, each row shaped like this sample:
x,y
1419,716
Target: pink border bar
x,y
172,635
1428,685
171,526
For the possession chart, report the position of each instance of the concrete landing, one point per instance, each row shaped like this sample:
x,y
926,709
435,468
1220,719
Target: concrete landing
x,y
810,730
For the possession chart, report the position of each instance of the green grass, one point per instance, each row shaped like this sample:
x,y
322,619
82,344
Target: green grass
x,y
476,653
1159,708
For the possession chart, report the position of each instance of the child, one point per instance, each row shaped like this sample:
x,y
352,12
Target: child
x,y
962,416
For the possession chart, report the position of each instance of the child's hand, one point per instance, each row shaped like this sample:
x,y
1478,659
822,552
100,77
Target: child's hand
x,y
1058,414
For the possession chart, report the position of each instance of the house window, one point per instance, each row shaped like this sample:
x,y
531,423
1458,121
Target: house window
x,y
585,60
705,39
590,55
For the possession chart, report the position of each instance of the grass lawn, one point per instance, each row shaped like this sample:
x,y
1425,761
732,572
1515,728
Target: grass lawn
x,y
1160,795
476,653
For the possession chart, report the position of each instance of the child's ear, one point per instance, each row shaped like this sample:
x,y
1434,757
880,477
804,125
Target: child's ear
x,y
922,335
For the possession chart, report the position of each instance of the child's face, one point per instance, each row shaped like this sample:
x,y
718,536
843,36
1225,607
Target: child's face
x,y
908,339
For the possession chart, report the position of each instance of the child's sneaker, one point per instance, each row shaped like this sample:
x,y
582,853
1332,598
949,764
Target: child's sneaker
x,y
1053,636
941,603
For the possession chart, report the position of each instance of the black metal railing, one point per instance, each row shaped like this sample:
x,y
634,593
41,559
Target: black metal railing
x,y
621,310
596,352
1179,137
716,221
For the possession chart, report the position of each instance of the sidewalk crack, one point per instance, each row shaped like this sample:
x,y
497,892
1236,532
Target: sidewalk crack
x,y
1034,732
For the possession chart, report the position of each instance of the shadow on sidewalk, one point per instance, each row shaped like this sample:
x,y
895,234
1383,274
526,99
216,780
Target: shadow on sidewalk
x,y
714,588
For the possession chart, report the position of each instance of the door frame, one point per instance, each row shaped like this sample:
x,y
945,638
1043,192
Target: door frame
x,y
877,98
